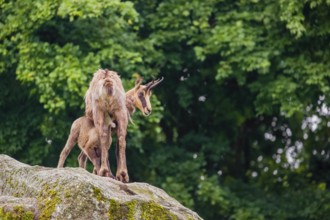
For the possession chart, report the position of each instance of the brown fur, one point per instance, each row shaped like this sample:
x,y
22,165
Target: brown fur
x,y
87,141
105,97
82,133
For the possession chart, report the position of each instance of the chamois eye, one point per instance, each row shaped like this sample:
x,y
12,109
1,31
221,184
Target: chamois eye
x,y
141,94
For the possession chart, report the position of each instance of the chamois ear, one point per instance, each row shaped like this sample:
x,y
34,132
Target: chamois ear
x,y
138,82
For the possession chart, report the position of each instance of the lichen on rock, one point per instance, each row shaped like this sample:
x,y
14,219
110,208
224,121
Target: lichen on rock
x,y
35,192
17,208
17,212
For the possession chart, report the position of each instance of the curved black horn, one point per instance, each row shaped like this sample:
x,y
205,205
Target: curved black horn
x,y
154,83
149,83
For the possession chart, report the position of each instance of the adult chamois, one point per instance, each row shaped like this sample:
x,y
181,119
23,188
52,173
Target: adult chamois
x,y
85,133
105,99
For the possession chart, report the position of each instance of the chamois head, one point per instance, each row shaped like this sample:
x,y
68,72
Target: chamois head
x,y
104,82
142,95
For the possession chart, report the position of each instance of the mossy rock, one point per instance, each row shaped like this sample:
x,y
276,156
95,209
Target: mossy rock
x,y
34,192
13,208
15,214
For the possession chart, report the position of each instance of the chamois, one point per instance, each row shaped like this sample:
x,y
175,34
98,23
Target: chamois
x,y
105,99
84,132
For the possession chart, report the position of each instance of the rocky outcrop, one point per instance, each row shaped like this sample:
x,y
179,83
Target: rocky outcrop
x,y
35,192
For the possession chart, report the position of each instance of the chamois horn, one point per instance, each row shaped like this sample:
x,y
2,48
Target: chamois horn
x,y
154,83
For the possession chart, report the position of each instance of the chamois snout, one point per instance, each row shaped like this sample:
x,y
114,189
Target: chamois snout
x,y
108,84
147,111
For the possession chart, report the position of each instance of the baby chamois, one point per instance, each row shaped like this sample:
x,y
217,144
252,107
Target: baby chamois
x,y
84,132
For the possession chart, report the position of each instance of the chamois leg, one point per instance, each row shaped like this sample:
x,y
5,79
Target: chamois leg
x,y
103,134
121,174
105,169
92,151
98,154
105,140
94,158
82,159
70,143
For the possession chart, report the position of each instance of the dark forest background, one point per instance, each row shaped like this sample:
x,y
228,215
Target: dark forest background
x,y
240,125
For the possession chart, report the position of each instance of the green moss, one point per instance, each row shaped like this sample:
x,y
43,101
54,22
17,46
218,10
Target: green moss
x,y
97,194
131,206
188,217
47,202
115,212
24,215
67,194
143,191
19,213
121,211
151,210
17,187
9,181
6,215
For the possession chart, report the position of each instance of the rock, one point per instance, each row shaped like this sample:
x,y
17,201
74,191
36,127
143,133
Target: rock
x,y
35,192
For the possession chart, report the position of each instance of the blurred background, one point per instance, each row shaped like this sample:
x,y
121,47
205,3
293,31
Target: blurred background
x,y
240,125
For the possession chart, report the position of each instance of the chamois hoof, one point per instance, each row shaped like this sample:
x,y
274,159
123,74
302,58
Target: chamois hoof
x,y
105,172
123,177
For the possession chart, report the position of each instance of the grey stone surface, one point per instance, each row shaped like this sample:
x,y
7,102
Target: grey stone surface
x,y
74,193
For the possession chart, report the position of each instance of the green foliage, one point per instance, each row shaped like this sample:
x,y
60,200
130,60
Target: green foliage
x,y
239,128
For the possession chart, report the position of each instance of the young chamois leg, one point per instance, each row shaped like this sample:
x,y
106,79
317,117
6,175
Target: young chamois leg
x,y
88,142
71,142
94,156
91,133
82,159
